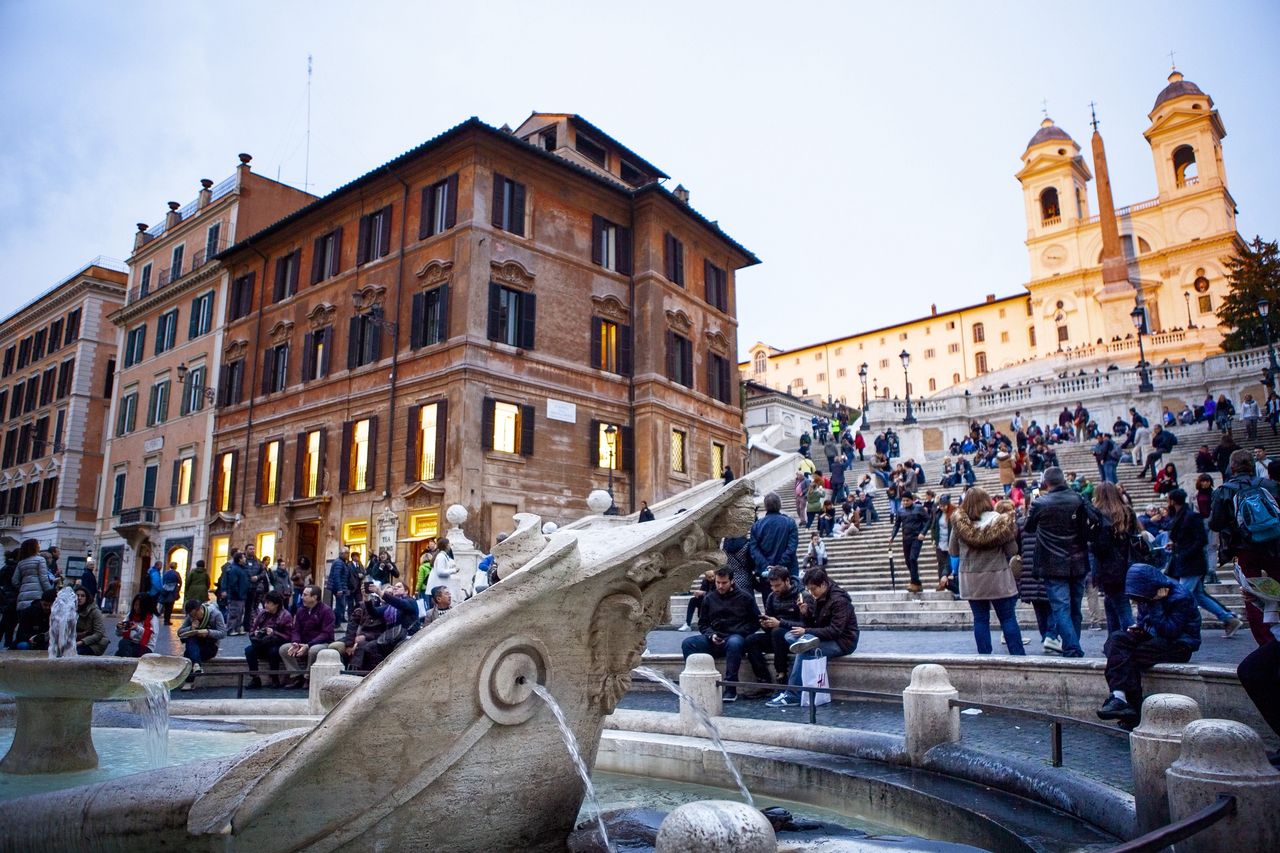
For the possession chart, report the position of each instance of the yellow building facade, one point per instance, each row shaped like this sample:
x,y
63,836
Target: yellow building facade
x,y
1065,318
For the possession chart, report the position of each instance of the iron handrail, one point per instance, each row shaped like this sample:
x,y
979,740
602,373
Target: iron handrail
x,y
1055,721
241,674
1180,830
813,708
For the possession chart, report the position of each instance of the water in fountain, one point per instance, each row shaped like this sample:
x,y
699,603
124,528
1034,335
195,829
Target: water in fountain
x,y
571,743
705,719
154,710
62,625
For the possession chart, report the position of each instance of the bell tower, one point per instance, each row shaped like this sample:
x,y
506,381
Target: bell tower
x,y
1055,180
1186,136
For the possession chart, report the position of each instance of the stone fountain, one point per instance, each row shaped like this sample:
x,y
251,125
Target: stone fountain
x,y
450,745
54,693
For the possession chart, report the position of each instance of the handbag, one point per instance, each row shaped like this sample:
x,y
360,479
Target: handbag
x,y
390,637
813,673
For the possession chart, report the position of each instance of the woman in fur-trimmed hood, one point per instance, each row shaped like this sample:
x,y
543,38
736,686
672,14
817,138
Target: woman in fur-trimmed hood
x,y
983,542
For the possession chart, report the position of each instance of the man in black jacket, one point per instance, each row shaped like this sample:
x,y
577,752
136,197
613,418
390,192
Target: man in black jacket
x,y
781,614
726,617
914,522
775,538
830,630
1060,524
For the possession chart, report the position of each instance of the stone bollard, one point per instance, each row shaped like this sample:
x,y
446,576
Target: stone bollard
x,y
1153,746
698,681
328,664
1226,757
715,826
927,714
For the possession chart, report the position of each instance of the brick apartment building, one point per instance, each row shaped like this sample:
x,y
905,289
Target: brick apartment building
x,y
500,319
153,501
55,387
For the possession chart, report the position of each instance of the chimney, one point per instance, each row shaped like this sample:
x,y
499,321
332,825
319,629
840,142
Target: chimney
x,y
173,217
933,309
206,193
681,193
991,297
142,238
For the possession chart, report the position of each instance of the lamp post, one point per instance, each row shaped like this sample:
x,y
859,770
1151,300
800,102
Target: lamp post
x,y
611,431
371,313
1264,311
1144,377
906,361
862,375
204,390
1187,297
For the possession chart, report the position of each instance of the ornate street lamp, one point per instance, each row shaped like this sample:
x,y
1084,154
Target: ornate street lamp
x,y
1187,296
204,390
1144,377
862,374
611,431
1264,311
906,361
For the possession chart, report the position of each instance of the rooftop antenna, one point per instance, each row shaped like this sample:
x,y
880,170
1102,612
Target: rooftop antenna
x,y
1093,112
306,169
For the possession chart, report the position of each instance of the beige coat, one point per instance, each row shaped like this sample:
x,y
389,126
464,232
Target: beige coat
x,y
1005,463
984,548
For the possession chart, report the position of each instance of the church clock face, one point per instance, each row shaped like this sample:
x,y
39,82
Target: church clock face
x,y
1054,256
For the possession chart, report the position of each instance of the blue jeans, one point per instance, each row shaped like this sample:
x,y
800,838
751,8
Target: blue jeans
x,y
731,650
1119,611
1195,586
828,649
340,607
1109,471
1065,597
1006,612
197,650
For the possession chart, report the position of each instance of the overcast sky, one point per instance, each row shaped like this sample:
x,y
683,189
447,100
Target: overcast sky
x,y
865,151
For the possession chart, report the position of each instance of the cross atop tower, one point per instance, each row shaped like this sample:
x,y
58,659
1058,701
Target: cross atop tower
x,y
1044,107
1093,112
1172,65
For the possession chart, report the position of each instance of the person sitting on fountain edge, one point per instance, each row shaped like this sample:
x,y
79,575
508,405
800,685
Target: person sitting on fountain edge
x,y
1167,631
781,614
200,633
830,630
311,633
726,617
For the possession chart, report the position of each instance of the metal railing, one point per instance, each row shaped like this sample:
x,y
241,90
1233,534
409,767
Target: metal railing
x,y
895,698
218,191
1055,721
241,674
10,521
138,515
1180,830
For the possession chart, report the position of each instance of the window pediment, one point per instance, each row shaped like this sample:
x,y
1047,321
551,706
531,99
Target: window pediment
x,y
321,316
371,296
679,321
434,272
512,274
610,308
717,341
235,350
281,332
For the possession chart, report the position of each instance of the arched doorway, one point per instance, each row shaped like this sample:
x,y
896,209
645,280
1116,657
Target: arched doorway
x,y
109,564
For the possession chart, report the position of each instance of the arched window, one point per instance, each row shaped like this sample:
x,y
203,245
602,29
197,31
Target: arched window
x,y
933,385
980,362
1185,173
979,333
762,362
955,379
1031,336
1079,203
1050,212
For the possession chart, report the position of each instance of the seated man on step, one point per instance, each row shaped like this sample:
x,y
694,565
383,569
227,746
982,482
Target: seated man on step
x,y
727,616
830,630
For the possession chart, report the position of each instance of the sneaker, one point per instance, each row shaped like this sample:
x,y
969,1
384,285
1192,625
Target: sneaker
x,y
782,700
730,694
1052,646
196,669
804,644
686,627
1231,626
1117,709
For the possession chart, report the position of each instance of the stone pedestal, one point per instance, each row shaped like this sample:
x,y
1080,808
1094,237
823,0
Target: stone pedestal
x,y
465,554
1226,757
328,665
51,736
1153,747
698,681
928,716
716,826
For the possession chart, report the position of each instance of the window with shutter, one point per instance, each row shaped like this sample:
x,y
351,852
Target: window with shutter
x,y
375,236
439,207
358,440
674,259
717,287
512,316
508,205
326,257
679,359
429,321
269,472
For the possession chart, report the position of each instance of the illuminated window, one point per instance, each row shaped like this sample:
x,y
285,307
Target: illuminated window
x,y
608,446
184,472
717,459
357,452
427,427
226,474
355,536
269,474
506,427
266,543
219,554
312,464
604,346
679,464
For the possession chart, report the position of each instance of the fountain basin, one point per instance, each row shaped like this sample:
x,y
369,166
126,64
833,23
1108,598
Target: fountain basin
x,y
54,700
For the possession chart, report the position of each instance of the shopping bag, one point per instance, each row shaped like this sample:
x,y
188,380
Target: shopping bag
x,y
813,673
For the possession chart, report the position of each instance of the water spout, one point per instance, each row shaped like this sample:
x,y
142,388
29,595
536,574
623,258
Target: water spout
x,y
62,625
705,719
571,743
154,710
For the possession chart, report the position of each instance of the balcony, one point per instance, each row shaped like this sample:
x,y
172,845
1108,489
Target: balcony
x,y
1050,221
10,530
168,276
137,524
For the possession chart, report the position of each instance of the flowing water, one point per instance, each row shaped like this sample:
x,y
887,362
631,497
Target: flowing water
x,y
705,719
62,625
154,710
571,743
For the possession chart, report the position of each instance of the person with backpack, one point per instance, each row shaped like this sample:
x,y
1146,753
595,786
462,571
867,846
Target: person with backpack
x,y
1187,563
1246,517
